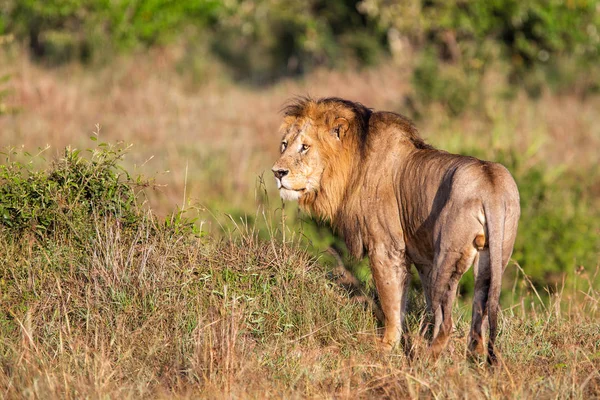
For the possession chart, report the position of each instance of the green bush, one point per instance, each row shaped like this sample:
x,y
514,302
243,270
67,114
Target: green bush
x,y
453,86
62,30
64,198
268,39
559,226
259,40
539,44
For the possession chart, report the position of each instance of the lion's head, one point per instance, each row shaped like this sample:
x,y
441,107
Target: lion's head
x,y
320,139
300,168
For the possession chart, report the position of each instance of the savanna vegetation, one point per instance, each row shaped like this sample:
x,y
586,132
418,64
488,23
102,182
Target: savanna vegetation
x,y
144,251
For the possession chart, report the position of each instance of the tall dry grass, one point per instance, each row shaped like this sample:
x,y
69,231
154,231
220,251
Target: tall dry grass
x,y
146,312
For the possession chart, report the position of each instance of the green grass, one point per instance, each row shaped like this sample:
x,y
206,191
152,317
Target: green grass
x,y
115,302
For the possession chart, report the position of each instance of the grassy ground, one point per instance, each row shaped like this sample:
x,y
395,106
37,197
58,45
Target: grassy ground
x,y
115,299
119,304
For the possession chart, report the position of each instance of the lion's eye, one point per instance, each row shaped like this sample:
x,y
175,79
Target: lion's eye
x,y
283,146
304,148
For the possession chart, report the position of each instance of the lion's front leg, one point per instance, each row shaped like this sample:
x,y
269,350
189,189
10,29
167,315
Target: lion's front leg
x,y
392,278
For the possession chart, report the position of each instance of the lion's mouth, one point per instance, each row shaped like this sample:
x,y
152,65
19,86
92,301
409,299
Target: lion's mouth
x,y
291,194
294,190
281,186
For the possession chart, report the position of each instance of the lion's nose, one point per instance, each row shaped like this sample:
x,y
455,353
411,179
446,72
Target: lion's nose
x,y
280,173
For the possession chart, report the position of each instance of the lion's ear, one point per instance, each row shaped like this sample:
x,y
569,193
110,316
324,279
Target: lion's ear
x,y
339,127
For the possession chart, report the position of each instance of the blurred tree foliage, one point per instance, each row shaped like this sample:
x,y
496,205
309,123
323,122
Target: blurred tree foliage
x,y
537,43
269,38
259,40
57,31
456,41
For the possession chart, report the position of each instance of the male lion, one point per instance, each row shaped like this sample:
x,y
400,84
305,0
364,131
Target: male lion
x,y
401,201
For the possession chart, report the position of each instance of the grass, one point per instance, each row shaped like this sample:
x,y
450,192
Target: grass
x,y
142,306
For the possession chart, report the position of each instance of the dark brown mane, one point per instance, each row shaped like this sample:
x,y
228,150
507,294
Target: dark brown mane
x,y
362,114
298,106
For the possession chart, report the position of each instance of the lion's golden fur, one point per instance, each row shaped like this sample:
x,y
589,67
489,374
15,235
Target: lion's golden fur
x,y
402,201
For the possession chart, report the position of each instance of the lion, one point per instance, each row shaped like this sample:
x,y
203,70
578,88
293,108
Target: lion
x,y
400,201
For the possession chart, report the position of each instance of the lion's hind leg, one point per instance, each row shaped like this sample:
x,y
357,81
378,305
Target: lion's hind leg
x,y
482,275
449,266
425,277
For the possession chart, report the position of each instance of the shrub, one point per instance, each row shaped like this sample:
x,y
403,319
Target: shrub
x,y
263,40
67,195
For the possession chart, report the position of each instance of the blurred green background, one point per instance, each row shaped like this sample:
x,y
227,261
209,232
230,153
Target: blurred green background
x,y
202,81
540,42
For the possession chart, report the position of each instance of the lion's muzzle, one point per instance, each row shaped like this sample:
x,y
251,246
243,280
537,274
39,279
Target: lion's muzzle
x,y
280,172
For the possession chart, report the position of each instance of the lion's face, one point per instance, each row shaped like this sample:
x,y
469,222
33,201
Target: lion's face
x,y
314,151
299,169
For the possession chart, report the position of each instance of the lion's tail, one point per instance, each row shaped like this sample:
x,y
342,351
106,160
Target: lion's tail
x,y
495,214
